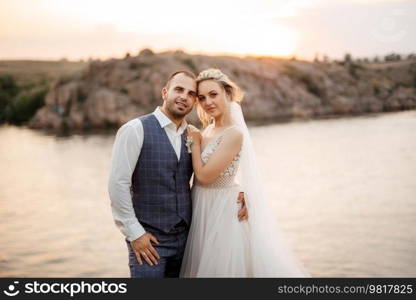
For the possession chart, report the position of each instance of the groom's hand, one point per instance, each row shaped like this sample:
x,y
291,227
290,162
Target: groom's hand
x,y
143,249
242,213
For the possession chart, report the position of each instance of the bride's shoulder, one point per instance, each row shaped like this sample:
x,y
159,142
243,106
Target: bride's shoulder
x,y
205,132
235,130
233,134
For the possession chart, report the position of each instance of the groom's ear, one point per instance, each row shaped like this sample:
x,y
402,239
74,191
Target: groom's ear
x,y
164,93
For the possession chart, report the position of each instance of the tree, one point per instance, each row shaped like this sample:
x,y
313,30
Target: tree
x,y
347,58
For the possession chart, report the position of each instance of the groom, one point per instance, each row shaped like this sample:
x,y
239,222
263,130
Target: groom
x,y
149,182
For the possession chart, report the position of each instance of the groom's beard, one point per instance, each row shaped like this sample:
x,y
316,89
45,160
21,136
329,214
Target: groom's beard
x,y
176,113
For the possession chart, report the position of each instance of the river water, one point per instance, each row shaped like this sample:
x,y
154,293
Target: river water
x,y
344,191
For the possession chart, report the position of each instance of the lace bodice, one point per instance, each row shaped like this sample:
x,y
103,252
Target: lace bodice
x,y
227,177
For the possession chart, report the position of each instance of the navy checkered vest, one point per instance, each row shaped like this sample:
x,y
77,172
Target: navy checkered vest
x,y
160,183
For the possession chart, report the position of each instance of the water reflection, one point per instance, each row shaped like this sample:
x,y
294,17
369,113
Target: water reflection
x,y
344,191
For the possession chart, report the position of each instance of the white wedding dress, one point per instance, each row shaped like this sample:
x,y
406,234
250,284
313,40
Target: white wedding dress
x,y
218,244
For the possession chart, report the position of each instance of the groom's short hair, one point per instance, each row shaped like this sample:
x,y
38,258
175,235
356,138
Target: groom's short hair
x,y
185,72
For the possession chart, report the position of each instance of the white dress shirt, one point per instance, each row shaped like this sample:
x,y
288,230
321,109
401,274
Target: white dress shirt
x,y
126,150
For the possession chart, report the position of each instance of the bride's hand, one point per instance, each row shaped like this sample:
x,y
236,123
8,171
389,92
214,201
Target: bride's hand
x,y
195,134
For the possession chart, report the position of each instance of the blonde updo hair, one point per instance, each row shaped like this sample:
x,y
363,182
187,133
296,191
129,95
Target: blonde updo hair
x,y
232,90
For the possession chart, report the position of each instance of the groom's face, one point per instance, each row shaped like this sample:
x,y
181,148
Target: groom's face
x,y
179,96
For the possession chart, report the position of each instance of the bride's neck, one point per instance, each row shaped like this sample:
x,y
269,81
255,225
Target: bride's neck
x,y
222,121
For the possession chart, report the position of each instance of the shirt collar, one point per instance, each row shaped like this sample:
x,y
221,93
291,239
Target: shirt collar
x,y
165,121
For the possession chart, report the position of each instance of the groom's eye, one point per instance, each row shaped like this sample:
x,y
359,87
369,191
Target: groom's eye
x,y
192,94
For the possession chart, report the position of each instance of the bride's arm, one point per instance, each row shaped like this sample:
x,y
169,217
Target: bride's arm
x,y
222,157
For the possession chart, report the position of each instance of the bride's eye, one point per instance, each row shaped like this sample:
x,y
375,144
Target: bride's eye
x,y
213,95
201,98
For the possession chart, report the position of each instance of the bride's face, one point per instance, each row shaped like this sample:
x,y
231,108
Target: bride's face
x,y
212,98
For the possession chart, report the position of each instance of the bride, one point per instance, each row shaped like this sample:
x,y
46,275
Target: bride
x,y
224,164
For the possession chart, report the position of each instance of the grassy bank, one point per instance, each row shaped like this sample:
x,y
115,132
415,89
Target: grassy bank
x,y
24,84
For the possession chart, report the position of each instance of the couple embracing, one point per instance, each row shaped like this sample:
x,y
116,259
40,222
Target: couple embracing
x,y
219,225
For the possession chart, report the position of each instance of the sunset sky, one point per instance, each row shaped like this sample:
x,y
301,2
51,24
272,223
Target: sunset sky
x,y
75,29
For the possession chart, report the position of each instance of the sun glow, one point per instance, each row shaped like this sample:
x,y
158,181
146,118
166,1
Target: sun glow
x,y
215,27
261,39
103,29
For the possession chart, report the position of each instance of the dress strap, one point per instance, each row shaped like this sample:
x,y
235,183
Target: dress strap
x,y
217,136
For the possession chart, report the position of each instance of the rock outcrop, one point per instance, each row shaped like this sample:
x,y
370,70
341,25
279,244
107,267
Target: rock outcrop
x,y
109,93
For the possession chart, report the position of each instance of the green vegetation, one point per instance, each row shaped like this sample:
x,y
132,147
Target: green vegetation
x,y
190,64
311,82
8,90
353,69
17,104
24,84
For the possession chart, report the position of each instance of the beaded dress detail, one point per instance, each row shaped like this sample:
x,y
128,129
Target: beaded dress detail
x,y
227,177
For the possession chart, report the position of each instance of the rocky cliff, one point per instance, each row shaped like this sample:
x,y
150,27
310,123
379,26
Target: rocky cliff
x,y
109,93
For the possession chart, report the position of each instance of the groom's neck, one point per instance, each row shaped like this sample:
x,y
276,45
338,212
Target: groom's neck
x,y
177,122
